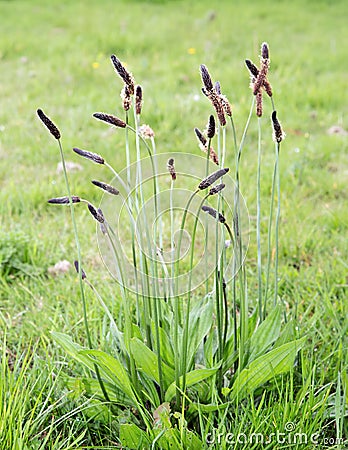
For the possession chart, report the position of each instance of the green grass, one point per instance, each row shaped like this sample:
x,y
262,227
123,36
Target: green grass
x,y
47,54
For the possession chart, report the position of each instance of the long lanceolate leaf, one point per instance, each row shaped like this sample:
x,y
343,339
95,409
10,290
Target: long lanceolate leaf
x,y
110,368
133,437
193,377
265,334
265,368
201,319
147,361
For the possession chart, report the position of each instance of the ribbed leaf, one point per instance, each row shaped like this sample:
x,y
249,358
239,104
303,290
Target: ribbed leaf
x,y
208,349
201,318
230,355
266,367
193,377
167,353
133,437
72,349
112,368
116,333
265,334
91,387
146,360
171,440
287,334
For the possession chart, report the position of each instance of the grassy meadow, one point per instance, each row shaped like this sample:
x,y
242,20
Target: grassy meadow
x,y
56,56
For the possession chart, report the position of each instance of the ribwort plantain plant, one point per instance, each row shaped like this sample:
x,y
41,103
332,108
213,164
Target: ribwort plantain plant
x,y
190,344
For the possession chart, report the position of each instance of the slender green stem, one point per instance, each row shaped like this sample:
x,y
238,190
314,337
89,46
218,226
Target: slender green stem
x,y
152,249
258,222
223,150
128,160
234,134
172,244
208,158
221,314
272,101
224,293
144,270
160,222
234,265
217,293
206,237
188,305
218,135
128,319
84,308
220,301
183,220
177,319
269,236
238,253
157,298
79,260
277,149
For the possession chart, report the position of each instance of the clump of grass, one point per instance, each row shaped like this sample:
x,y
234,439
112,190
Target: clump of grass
x,y
19,255
31,413
179,356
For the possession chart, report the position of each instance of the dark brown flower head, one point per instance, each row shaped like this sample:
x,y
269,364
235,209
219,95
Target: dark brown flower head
x,y
264,50
217,104
268,88
89,155
106,187
209,180
126,76
215,189
213,156
211,127
265,63
126,98
109,118
259,104
171,168
100,212
219,108
83,273
102,225
260,78
64,200
138,99
278,133
217,87
48,124
212,212
96,213
201,138
205,92
226,105
254,71
203,145
206,79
